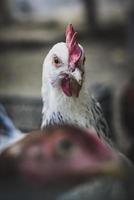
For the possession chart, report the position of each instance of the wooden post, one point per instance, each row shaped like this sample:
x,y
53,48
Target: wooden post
x,y
90,7
5,17
130,33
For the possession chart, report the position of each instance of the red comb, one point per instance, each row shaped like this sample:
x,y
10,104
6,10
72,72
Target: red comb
x,y
72,45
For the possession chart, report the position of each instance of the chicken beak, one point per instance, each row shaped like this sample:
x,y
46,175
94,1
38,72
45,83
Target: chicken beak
x,y
77,75
112,168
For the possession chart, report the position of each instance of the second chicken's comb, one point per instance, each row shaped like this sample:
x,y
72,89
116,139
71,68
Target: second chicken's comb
x,y
72,45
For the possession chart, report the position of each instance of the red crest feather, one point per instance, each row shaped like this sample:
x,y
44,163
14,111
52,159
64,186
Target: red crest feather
x,y
72,45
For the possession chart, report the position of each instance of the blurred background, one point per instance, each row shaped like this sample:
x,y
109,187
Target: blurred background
x,y
29,28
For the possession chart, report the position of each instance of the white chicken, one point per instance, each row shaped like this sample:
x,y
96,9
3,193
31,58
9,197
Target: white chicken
x,y
65,96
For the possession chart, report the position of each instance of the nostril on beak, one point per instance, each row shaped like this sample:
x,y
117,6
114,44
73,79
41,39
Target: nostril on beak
x,y
73,69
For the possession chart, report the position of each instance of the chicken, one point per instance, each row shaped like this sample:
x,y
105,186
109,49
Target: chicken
x,y
8,132
64,162
124,106
104,95
65,96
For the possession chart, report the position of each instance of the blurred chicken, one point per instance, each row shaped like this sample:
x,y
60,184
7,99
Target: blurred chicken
x,y
104,95
124,105
127,108
50,164
8,132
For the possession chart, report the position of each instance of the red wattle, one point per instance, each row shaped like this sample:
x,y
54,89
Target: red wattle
x,y
65,85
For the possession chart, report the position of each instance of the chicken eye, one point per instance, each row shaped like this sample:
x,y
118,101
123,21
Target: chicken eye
x,y
64,147
56,61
